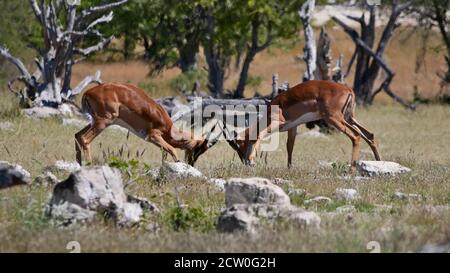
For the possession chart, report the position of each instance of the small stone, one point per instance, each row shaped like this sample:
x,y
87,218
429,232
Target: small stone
x,y
67,166
320,200
13,175
143,203
46,179
6,125
296,192
218,182
346,209
347,194
407,196
281,181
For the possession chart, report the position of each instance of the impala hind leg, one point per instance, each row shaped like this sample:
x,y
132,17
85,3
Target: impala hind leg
x,y
367,136
292,133
84,138
340,124
159,141
78,143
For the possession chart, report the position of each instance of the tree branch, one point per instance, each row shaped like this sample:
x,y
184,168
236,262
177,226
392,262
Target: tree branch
x,y
26,76
88,12
36,10
89,50
85,82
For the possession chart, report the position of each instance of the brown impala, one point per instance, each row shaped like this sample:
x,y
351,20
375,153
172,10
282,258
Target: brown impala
x,y
305,102
128,106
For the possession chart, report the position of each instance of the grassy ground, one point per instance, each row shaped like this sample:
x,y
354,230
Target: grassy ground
x,y
417,140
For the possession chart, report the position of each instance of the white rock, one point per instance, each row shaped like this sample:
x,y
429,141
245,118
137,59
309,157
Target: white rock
x,y
347,194
74,122
218,182
143,203
6,125
374,168
254,191
281,181
176,170
313,134
305,218
41,112
318,200
129,214
46,179
94,190
67,166
65,110
346,209
325,164
248,217
296,192
237,219
407,196
13,175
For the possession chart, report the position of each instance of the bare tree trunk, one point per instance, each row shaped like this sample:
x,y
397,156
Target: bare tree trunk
x,y
216,60
252,50
188,53
309,56
323,71
369,62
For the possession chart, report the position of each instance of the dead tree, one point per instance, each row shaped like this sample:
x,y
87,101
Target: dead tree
x,y
63,29
370,61
306,13
323,58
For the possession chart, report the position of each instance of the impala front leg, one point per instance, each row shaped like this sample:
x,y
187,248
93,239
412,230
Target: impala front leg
x,y
159,141
263,134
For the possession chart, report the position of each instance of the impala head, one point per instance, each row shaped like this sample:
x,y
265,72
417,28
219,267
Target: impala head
x,y
201,146
241,146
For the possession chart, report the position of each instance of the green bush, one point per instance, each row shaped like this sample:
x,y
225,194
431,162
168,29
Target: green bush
x,y
186,80
189,218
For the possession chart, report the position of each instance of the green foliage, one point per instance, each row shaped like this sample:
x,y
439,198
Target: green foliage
x,y
15,30
150,87
186,80
189,218
123,165
254,81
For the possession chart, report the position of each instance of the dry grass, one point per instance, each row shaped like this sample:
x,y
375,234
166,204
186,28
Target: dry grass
x,y
418,140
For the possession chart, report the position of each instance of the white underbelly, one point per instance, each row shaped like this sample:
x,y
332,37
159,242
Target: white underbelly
x,y
140,133
308,117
